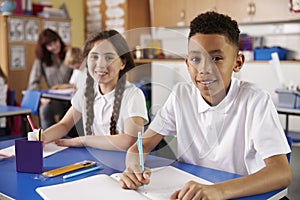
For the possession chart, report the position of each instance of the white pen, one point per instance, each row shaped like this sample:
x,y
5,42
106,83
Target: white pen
x,y
81,172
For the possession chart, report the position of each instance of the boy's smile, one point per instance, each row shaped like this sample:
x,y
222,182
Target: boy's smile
x,y
211,61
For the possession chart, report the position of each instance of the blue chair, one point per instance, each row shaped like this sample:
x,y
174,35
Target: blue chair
x,y
31,100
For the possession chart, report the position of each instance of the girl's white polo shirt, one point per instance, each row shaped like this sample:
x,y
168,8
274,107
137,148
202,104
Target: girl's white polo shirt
x,y
133,105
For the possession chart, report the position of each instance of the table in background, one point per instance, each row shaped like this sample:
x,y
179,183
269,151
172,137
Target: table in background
x,y
22,185
57,96
7,111
287,112
10,111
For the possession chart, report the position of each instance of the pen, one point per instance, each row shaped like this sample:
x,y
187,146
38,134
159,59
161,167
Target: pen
x,y
140,149
81,172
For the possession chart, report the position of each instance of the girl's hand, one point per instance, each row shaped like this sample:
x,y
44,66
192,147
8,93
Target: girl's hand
x,y
44,101
74,142
195,191
133,178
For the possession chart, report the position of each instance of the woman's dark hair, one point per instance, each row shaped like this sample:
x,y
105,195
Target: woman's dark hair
x,y
46,37
214,23
122,49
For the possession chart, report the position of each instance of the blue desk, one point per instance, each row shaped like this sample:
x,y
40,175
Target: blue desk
x,y
57,96
6,111
22,186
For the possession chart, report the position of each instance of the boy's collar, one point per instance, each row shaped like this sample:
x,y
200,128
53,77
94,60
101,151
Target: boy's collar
x,y
224,105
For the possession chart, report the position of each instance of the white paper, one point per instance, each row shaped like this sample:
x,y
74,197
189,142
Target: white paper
x,y
49,149
164,181
5,197
62,91
95,187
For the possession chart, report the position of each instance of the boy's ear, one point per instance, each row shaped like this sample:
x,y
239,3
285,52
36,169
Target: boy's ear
x,y
240,59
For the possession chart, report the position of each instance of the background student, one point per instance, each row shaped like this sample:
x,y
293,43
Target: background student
x,y
49,64
220,122
74,60
3,97
113,110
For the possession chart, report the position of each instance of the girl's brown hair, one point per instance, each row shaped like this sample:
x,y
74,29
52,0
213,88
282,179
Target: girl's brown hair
x,y
124,53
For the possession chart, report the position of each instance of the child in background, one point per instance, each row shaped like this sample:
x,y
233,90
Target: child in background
x,y
112,109
74,60
219,121
3,96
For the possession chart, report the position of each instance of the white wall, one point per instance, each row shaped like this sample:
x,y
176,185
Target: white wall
x,y
264,76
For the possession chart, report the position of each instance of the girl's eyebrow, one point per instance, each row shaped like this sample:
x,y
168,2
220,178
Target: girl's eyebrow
x,y
106,53
110,53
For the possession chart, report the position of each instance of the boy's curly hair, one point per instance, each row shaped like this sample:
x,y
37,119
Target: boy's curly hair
x,y
215,23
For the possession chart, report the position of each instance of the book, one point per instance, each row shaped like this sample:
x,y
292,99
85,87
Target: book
x,y
163,182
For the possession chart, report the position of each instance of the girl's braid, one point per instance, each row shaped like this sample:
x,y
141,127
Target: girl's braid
x,y
120,87
90,98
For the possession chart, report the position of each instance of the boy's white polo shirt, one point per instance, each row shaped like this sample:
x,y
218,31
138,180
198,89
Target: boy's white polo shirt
x,y
133,104
234,136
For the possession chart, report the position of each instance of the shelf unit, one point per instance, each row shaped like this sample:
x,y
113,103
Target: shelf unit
x,y
18,37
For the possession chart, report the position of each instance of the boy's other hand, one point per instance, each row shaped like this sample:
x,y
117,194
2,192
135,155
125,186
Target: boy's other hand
x,y
194,190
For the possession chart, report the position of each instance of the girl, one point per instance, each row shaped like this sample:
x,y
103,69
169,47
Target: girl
x,y
113,110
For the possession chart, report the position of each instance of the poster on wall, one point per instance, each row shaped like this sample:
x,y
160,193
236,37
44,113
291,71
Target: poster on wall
x,y
15,29
32,30
50,24
64,31
17,57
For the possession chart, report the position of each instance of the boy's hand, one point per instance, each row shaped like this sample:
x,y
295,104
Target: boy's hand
x,y
133,178
194,190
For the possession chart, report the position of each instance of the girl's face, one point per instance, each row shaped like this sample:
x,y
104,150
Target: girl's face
x,y
54,47
104,64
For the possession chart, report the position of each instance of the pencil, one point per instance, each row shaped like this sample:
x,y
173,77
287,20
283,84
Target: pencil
x,y
30,122
81,172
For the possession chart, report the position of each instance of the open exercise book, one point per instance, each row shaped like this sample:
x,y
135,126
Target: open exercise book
x,y
164,181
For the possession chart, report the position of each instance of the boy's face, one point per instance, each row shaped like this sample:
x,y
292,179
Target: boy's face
x,y
211,60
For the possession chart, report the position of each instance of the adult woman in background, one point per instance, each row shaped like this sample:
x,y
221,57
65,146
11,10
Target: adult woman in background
x,y
49,64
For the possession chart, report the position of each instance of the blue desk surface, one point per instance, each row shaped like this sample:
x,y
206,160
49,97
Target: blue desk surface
x,y
23,185
13,110
57,96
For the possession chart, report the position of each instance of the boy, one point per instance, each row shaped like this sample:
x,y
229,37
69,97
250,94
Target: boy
x,y
220,122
